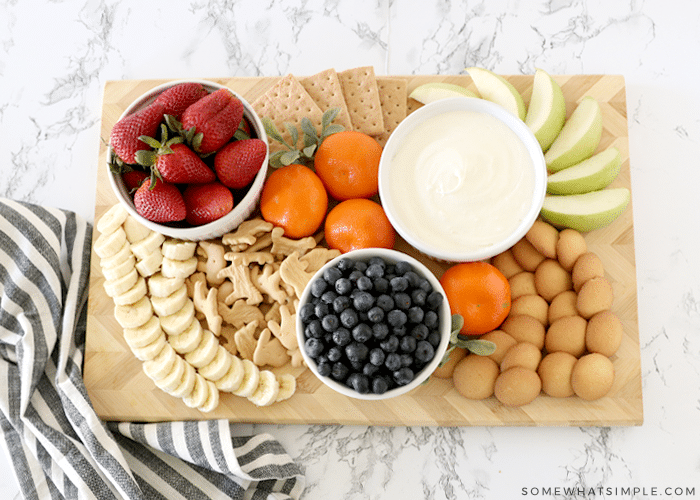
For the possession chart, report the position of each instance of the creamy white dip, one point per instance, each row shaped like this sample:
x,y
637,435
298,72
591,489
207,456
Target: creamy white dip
x,y
461,181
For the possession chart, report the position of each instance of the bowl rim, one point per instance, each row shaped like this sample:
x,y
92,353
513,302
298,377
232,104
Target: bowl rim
x,y
444,328
514,123
242,209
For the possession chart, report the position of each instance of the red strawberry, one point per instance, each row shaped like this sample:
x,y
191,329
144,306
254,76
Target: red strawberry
x,y
133,179
176,99
238,162
162,203
125,135
207,202
183,166
216,117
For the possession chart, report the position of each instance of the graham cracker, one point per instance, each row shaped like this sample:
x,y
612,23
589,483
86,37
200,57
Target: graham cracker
x,y
288,102
393,96
324,88
362,97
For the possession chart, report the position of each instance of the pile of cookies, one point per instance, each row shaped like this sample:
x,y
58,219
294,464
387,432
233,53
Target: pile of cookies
x,y
207,317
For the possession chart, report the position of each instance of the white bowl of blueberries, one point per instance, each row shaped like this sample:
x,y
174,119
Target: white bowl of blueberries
x,y
373,323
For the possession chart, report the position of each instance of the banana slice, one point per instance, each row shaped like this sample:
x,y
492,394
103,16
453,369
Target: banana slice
x,y
165,306
175,324
150,264
160,366
288,386
205,351
234,376
188,340
142,248
123,254
149,351
212,400
178,249
135,231
109,244
186,385
199,394
160,286
145,334
266,392
133,315
251,377
112,219
217,367
133,294
119,270
121,285
173,379
178,268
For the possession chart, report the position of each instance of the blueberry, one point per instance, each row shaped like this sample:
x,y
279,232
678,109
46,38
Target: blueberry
x,y
408,343
398,284
431,319
402,300
376,314
343,286
377,356
434,338
377,261
415,314
329,296
420,332
341,303
332,274
385,302
390,344
424,351
413,278
314,347
342,336
369,369
364,283
306,312
328,338
381,285
314,329
356,351
406,359
345,264
399,331
396,317
434,299
339,371
379,385
359,382
330,322
425,285
349,318
321,309
324,368
380,331
361,266
418,297
334,354
357,366
374,271
318,287
402,267
403,376
363,301
355,275
393,361
362,332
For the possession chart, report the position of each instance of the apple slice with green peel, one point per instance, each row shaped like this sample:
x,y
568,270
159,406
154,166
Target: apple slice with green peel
x,y
434,91
495,88
585,212
579,137
593,174
546,112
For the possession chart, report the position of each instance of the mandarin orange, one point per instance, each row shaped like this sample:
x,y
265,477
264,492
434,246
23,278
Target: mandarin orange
x,y
358,223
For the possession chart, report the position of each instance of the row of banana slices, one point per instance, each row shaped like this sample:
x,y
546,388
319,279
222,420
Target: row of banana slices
x,y
145,275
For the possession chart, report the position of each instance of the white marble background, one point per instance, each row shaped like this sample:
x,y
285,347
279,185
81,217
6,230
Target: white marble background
x,y
56,55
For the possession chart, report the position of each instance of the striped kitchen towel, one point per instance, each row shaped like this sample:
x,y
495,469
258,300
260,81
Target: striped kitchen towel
x,y
57,444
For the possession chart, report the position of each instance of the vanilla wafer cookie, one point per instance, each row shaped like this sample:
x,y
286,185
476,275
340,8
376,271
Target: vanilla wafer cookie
x,y
267,390
112,219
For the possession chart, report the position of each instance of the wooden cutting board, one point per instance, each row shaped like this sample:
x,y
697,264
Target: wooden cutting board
x,y
119,389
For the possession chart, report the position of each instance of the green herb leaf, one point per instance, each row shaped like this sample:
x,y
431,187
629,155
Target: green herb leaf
x,y
293,133
328,117
308,128
309,151
289,157
480,347
272,131
276,159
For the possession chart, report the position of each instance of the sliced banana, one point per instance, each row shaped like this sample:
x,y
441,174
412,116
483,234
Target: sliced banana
x,y
175,324
205,351
165,306
109,244
199,394
188,340
212,400
251,377
151,350
288,386
145,334
217,367
266,392
133,294
233,377
178,249
173,379
112,219
120,269
134,315
123,254
141,249
135,231
150,264
160,286
121,285
186,385
160,366
178,268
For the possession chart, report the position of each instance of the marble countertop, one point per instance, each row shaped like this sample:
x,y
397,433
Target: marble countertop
x,y
52,80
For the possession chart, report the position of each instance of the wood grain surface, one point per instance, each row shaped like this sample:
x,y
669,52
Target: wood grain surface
x,y
120,390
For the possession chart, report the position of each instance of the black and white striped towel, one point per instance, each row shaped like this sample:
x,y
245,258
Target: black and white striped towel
x,y
57,444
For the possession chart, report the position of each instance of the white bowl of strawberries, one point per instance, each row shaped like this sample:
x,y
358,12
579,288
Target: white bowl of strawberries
x,y
188,159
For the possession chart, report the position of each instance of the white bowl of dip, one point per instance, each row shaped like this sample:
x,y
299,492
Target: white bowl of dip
x,y
462,179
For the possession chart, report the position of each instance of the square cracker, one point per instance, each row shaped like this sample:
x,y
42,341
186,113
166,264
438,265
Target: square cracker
x,y
393,96
324,88
362,97
287,102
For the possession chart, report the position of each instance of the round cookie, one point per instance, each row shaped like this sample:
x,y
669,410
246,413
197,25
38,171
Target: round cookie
x,y
525,328
567,334
527,255
595,295
445,371
522,354
474,377
562,305
555,372
531,305
592,376
503,341
551,279
506,263
570,246
521,284
544,238
587,266
604,333
517,386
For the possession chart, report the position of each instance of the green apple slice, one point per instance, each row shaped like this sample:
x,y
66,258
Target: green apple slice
x,y
546,112
585,212
434,91
495,88
597,172
579,137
